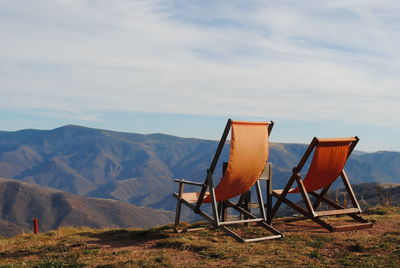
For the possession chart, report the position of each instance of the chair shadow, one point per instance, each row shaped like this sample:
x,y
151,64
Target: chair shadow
x,y
125,237
297,227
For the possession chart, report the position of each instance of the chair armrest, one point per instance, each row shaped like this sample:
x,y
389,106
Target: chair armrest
x,y
188,182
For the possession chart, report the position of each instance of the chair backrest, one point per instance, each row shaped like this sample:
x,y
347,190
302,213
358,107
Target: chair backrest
x,y
247,159
329,159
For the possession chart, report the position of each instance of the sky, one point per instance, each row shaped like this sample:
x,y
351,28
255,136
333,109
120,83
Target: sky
x,y
183,67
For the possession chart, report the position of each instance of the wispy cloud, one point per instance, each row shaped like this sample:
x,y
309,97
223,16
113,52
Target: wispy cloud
x,y
314,60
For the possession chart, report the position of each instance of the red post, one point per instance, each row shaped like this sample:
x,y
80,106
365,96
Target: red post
x,y
35,225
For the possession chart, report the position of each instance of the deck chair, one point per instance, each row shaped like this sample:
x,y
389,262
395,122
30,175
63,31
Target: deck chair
x,y
247,159
329,159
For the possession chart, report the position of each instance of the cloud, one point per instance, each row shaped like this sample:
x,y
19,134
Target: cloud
x,y
314,60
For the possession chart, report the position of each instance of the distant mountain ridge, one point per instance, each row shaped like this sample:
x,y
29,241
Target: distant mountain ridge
x,y
139,168
20,202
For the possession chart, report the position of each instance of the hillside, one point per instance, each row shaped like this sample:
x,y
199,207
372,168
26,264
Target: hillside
x,y
368,195
374,194
304,245
21,201
99,163
139,168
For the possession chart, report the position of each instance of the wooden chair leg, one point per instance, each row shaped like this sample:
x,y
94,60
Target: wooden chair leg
x,y
177,215
260,201
247,205
178,207
282,196
269,200
224,215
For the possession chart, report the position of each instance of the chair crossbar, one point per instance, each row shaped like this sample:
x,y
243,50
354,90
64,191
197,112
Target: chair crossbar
x,y
336,212
191,229
240,221
262,238
188,182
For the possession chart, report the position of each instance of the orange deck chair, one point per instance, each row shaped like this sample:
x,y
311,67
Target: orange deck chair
x,y
247,159
329,159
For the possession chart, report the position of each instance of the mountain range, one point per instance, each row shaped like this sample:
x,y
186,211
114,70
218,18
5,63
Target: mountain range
x,y
139,169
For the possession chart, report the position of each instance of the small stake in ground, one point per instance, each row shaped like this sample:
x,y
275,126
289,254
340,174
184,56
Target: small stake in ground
x,y
35,225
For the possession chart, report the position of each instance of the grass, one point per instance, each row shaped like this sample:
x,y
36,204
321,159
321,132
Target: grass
x,y
161,247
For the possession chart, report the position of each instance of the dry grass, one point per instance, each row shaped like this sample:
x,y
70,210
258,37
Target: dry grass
x,y
304,245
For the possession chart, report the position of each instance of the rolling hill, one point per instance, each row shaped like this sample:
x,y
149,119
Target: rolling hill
x,y
138,168
20,202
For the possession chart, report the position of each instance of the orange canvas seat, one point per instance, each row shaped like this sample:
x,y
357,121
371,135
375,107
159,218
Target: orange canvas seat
x,y
327,165
247,159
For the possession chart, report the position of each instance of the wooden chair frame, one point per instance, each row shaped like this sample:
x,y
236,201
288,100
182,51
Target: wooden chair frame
x,y
311,208
218,219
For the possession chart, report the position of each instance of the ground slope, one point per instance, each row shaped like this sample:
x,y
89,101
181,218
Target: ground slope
x,y
21,201
304,244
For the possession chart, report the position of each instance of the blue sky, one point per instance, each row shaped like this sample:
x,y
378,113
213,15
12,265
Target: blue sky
x,y
317,68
